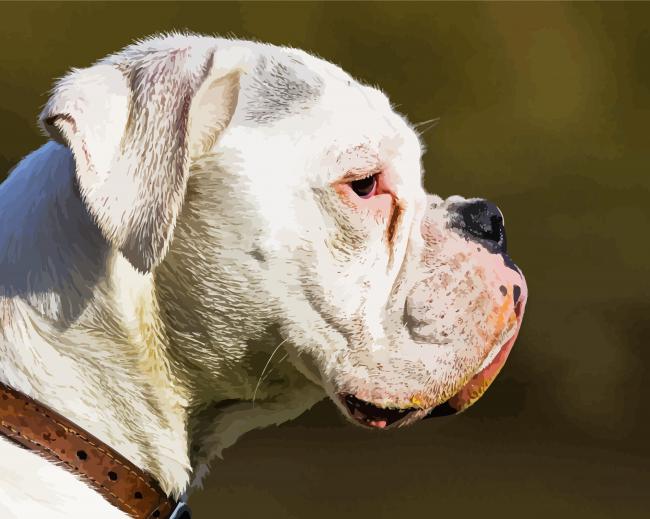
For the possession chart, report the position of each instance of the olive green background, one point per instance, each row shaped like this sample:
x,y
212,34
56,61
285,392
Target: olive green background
x,y
545,109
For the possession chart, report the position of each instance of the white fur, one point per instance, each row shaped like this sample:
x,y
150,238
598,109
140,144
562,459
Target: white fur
x,y
207,237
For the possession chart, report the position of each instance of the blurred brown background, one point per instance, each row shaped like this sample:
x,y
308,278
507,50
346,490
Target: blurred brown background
x,y
544,109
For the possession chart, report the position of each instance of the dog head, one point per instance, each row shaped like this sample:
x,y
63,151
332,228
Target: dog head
x,y
293,198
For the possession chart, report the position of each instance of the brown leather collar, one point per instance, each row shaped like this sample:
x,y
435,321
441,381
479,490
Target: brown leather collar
x,y
44,431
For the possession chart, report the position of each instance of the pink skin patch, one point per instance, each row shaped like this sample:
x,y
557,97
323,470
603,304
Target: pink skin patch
x,y
471,391
480,382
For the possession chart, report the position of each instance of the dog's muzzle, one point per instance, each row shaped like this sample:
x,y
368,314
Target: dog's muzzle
x,y
455,324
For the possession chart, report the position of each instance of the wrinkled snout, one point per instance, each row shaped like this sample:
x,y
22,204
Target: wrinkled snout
x,y
503,285
456,316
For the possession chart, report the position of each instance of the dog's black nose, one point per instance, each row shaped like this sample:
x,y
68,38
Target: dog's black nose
x,y
480,219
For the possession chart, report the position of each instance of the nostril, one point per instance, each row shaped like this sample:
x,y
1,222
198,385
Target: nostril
x,y
516,293
483,220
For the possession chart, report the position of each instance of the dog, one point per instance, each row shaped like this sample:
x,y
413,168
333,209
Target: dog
x,y
219,234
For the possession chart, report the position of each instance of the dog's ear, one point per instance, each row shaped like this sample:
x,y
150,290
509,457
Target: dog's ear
x,y
132,122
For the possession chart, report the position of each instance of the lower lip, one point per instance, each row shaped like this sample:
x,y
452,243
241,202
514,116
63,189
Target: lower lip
x,y
479,383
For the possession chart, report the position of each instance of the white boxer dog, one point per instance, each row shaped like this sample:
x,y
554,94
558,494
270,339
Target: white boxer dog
x,y
219,234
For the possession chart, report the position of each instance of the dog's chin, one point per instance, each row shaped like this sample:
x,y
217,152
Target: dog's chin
x,y
383,416
374,416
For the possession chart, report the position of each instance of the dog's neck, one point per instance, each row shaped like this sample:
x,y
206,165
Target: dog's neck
x,y
73,338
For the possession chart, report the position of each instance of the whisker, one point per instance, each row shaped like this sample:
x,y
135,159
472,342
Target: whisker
x,y
434,120
430,123
268,373
268,362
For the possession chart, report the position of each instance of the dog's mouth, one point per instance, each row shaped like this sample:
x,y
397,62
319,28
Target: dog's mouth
x,y
373,416
370,415
480,381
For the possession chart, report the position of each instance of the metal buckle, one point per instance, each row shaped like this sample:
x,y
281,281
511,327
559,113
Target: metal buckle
x,y
182,511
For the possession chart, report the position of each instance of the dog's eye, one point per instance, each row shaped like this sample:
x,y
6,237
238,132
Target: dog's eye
x,y
366,187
